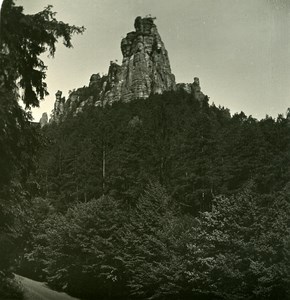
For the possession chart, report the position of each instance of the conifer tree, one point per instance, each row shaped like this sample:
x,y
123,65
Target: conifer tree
x,y
23,38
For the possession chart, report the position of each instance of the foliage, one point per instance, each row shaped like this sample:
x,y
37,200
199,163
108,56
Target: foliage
x,y
177,239
196,151
37,211
101,248
240,250
23,39
154,245
81,248
10,288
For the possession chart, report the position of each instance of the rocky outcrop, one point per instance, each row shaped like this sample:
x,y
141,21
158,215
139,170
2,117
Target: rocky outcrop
x,y
145,70
95,79
58,109
43,120
192,88
145,67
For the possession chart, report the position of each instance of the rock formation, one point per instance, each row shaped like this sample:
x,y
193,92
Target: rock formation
x,y
44,120
145,67
58,109
192,88
95,78
145,70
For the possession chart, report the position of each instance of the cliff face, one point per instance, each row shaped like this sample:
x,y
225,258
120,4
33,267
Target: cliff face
x,y
145,67
145,70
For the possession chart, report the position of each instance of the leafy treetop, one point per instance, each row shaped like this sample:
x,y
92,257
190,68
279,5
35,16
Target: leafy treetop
x,y
23,39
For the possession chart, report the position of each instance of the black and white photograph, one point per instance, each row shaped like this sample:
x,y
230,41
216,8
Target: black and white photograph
x,y
145,150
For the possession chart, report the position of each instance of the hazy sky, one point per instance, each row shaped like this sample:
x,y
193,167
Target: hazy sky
x,y
240,49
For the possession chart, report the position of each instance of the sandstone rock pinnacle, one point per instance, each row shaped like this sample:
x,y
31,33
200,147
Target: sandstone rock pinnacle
x,y
145,67
145,70
43,120
58,109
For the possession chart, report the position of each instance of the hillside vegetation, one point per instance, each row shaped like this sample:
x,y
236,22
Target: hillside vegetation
x,y
163,198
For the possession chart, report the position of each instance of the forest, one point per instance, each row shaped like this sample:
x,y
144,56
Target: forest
x,y
159,198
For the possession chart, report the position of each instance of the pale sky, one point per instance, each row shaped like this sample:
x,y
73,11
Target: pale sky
x,y
239,49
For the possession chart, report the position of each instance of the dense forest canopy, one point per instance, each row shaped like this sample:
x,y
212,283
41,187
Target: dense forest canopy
x,y
196,150
162,198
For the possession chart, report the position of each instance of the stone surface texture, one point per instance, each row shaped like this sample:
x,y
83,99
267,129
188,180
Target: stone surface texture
x,y
145,67
58,109
43,120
